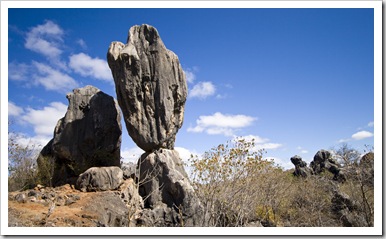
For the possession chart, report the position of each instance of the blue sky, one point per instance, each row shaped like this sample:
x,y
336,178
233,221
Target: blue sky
x,y
295,80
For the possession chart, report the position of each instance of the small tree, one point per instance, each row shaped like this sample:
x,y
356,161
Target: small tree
x,y
234,184
22,169
347,155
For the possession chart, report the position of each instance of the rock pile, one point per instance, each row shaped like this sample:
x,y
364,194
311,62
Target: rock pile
x,y
152,90
89,135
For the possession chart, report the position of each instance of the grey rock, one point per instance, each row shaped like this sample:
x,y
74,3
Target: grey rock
x,y
301,168
100,179
151,88
367,169
166,184
21,198
129,170
323,160
109,210
347,211
89,135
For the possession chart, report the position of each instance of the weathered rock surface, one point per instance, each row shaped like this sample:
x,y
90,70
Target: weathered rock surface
x,y
301,168
323,161
167,190
100,179
129,170
151,88
89,135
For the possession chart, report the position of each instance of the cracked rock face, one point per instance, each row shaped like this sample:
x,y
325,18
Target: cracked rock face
x,y
89,135
151,88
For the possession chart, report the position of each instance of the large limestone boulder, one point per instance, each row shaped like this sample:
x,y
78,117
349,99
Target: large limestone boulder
x,y
151,88
165,187
89,135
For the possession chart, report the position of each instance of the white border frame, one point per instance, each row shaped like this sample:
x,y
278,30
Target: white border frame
x,y
376,230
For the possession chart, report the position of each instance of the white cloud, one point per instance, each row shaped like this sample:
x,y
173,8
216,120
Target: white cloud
x,y
344,140
219,123
45,39
302,151
202,90
261,143
82,43
362,135
370,124
18,71
190,76
86,66
52,79
14,110
44,120
131,154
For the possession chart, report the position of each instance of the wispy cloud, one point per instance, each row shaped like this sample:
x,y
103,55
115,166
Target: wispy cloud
x,y
362,135
370,124
302,151
190,75
202,90
222,124
46,39
357,136
261,143
86,66
44,120
18,71
82,43
14,110
52,79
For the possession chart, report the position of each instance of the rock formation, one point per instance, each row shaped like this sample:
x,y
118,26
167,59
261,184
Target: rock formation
x,y
89,135
301,168
151,88
100,179
323,160
166,185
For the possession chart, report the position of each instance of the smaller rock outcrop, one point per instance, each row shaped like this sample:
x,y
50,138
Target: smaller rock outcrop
x,y
100,179
301,168
323,160
89,135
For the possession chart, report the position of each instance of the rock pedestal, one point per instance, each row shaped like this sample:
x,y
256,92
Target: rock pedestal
x,y
89,135
165,184
151,88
